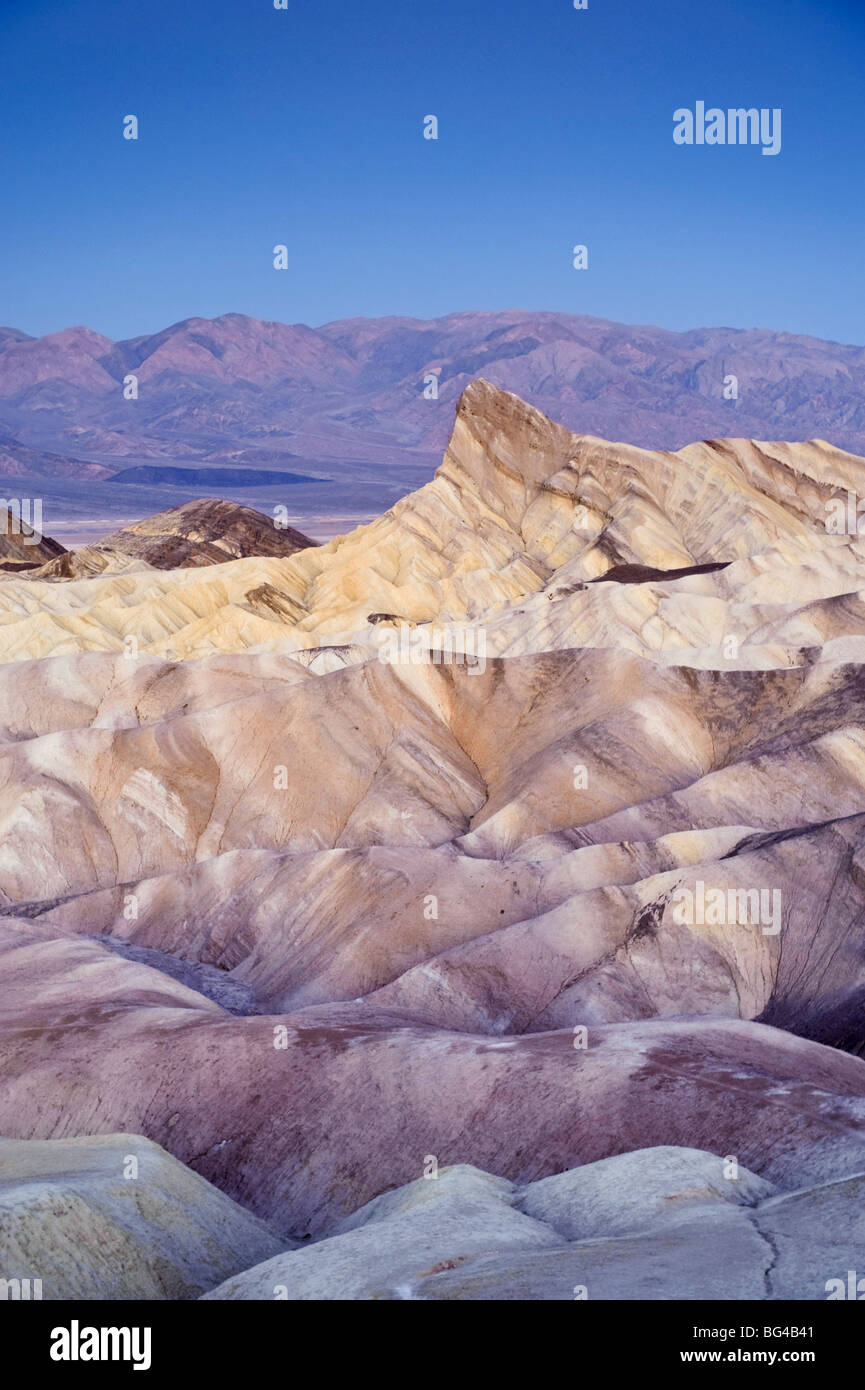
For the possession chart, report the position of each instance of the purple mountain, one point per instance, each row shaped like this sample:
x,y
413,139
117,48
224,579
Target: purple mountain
x,y
368,403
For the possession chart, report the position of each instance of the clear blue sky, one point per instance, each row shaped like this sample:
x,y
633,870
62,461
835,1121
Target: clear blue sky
x,y
260,126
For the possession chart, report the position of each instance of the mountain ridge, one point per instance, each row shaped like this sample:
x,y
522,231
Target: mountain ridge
x,y
234,379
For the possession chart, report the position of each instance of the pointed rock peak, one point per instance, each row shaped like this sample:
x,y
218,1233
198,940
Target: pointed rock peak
x,y
483,401
515,437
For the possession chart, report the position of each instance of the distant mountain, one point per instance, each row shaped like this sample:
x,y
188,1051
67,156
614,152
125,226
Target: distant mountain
x,y
205,532
17,461
236,388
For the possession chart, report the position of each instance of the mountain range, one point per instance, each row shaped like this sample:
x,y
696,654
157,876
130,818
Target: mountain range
x,y
263,408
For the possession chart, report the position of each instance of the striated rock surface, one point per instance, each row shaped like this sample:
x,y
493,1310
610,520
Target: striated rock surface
x,y
521,517
688,1225
304,1117
206,532
521,829
115,1217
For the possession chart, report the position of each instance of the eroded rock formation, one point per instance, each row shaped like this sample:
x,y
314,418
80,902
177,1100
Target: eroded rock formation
x,y
521,829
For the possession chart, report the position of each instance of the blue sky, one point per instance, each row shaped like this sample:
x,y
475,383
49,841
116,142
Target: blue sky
x,y
304,127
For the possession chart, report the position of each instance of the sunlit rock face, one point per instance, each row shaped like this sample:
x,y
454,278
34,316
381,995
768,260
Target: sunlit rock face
x,y
546,538
521,829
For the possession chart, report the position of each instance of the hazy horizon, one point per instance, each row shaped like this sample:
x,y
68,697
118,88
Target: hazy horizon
x,y
446,314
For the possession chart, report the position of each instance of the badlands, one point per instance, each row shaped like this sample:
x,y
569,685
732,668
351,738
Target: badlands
x,y
330,974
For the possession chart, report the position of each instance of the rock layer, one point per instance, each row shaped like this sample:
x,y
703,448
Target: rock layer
x,y
297,886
